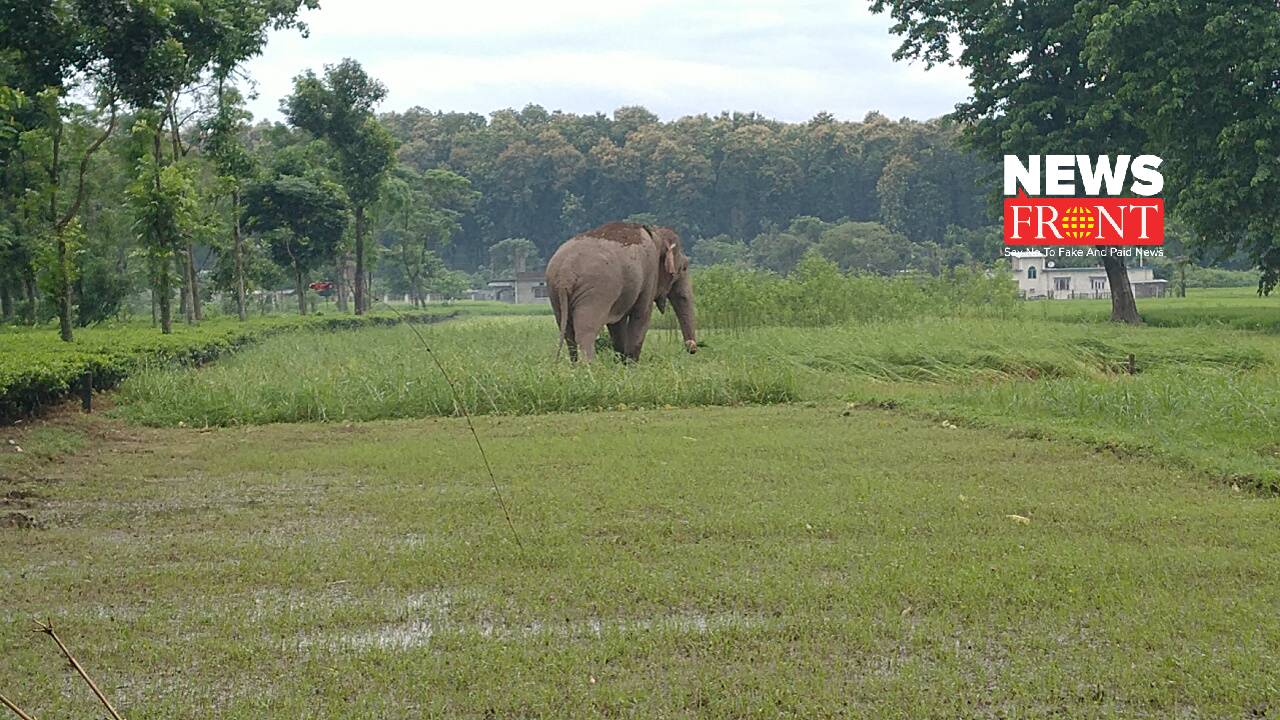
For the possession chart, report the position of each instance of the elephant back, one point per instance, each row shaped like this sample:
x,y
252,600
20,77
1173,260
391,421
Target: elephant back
x,y
623,233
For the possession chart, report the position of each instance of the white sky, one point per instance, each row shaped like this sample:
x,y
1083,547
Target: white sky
x,y
786,60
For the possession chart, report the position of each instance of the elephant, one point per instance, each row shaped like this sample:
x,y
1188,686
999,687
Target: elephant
x,y
614,275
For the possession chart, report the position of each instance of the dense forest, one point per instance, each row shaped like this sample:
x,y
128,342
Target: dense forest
x,y
132,176
727,179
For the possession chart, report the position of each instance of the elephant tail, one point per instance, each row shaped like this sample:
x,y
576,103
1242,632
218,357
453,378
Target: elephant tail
x,y
566,321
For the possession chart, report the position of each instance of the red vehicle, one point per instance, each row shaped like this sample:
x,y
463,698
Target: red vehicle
x,y
323,287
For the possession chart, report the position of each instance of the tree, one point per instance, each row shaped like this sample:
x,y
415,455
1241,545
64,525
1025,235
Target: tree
x,y
721,250
51,56
513,255
164,204
1034,89
866,247
156,51
1202,80
339,109
234,166
420,215
303,220
451,284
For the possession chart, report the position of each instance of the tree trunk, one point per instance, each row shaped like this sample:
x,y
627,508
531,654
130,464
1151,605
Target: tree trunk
x,y
360,287
33,298
184,302
6,301
166,316
196,304
302,291
237,244
162,266
61,276
64,291
1123,307
343,286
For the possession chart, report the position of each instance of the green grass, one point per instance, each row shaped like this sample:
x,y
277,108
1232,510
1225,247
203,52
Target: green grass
x,y
499,365
1227,423
37,367
1239,308
757,562
968,554
1203,396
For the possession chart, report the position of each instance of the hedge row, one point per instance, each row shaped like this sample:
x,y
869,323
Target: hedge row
x,y
37,368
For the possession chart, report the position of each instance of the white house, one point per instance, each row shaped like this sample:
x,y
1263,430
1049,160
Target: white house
x,y
1038,278
525,288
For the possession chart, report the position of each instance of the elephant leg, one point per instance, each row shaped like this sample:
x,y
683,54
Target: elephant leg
x,y
637,328
620,337
586,326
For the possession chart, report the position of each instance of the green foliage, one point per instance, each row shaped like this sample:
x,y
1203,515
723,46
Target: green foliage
x,y
1190,81
1201,79
512,254
339,109
817,293
164,206
418,215
548,176
303,219
721,250
36,368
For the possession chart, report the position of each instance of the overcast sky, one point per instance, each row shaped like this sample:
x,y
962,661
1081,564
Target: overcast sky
x,y
786,60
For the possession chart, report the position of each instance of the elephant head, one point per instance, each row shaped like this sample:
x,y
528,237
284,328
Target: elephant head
x,y
674,283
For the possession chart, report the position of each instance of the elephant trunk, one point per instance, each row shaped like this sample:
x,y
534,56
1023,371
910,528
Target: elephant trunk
x,y
682,302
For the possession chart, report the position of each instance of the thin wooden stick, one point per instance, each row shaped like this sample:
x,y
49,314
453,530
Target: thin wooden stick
x,y
16,710
46,627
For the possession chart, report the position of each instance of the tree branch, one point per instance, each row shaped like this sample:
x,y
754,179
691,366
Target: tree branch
x,y
84,167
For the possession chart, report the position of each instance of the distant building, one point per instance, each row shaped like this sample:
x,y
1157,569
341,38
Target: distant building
x,y
1038,279
524,289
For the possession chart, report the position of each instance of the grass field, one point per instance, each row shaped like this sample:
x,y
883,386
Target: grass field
x,y
1206,396
758,562
912,518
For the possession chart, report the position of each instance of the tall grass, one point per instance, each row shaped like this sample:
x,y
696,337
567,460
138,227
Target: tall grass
x,y
498,365
1239,308
508,366
1223,421
817,294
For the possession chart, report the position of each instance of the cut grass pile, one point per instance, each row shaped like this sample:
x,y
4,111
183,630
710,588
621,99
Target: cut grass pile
x,y
758,562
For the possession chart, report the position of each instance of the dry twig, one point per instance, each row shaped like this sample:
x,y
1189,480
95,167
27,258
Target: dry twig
x,y
46,627
16,710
